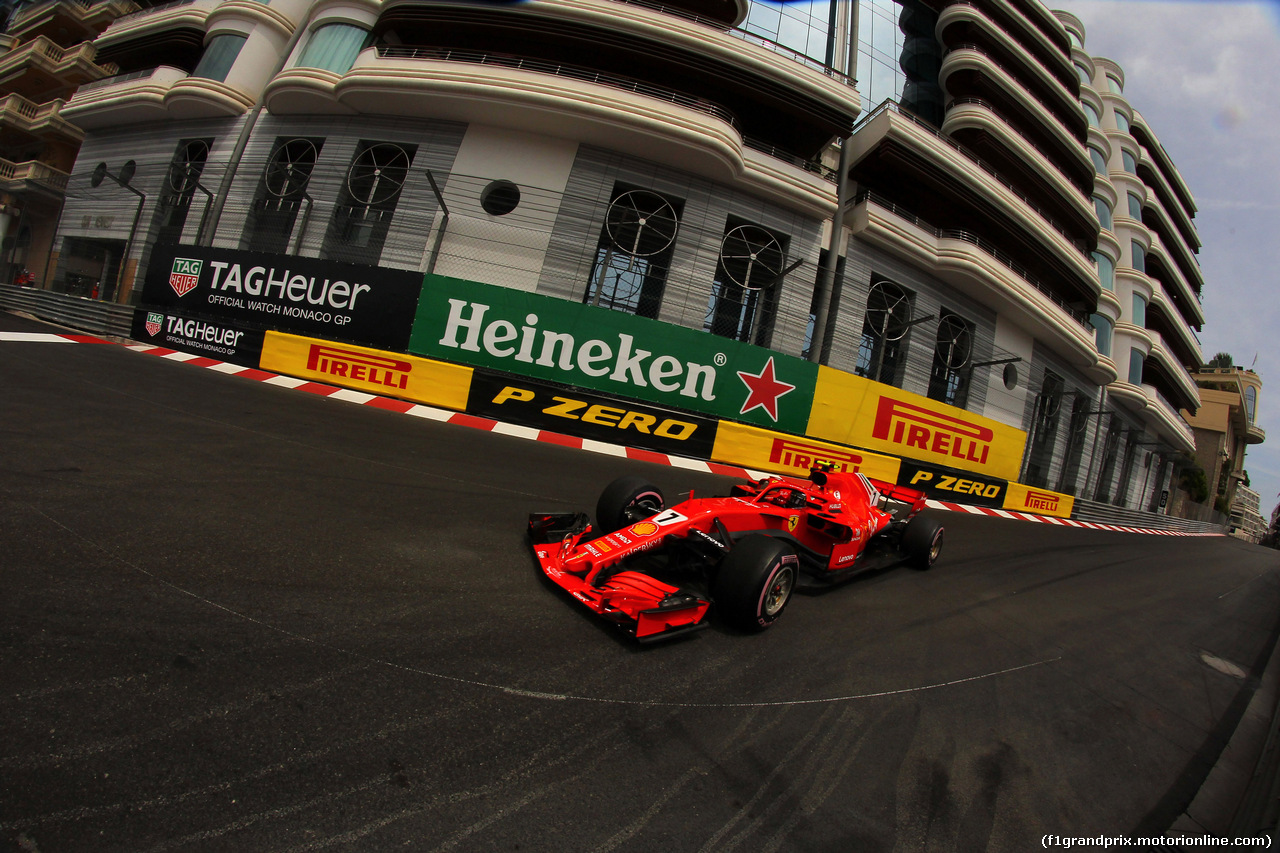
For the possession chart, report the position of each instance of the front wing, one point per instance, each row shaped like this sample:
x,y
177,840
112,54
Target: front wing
x,y
643,606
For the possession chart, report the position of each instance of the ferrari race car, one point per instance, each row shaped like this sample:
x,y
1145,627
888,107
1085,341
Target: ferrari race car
x,y
656,570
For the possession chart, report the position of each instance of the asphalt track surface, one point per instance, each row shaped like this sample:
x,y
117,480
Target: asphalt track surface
x,y
238,617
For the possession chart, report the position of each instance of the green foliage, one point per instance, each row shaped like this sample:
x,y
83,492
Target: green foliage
x,y
1195,483
1222,359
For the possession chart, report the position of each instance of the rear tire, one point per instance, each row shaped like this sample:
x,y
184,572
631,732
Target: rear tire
x,y
627,500
755,582
922,540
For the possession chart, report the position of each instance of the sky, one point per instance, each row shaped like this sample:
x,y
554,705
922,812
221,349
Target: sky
x,y
1206,77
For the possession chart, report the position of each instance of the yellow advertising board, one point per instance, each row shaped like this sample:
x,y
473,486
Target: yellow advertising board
x,y
855,411
763,450
375,371
1039,501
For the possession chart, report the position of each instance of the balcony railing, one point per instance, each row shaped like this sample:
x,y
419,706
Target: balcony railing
x,y
34,171
895,107
957,234
557,69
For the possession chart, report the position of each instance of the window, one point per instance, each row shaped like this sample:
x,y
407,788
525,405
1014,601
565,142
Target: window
x,y
1099,160
1044,430
744,293
634,250
1103,210
1076,430
1135,207
218,57
884,326
1102,333
367,202
1136,361
182,182
1250,402
1139,310
1122,121
1139,256
1130,162
1084,74
1114,85
1109,449
281,194
949,377
333,47
1092,115
1106,271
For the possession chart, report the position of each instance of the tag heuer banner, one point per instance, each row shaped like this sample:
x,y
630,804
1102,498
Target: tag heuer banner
x,y
610,351
328,299
221,341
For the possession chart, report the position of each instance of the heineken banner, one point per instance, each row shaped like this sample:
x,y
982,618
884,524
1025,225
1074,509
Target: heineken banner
x,y
327,299
222,341
612,352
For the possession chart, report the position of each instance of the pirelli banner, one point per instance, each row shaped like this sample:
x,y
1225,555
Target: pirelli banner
x,y
611,352
341,301
855,411
375,371
764,450
1039,501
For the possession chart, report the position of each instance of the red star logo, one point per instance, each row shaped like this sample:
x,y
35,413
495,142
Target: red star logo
x,y
765,390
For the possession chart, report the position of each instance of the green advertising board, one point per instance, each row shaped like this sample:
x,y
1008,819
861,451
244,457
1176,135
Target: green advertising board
x,y
612,352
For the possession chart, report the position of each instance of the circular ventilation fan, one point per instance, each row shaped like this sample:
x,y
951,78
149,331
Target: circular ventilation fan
x,y
955,342
888,311
752,257
188,163
378,173
641,223
290,168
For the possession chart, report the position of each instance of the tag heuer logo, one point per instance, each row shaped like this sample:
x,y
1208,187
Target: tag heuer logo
x,y
185,275
154,323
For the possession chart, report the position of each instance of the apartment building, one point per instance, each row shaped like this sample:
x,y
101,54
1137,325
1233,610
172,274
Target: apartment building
x,y
953,199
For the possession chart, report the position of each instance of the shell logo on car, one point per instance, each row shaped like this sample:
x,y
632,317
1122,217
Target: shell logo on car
x,y
644,528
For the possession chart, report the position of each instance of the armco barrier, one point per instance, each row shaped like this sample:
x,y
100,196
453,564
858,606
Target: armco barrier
x,y
91,315
1108,514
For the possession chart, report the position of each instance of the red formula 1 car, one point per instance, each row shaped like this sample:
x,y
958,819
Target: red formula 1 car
x,y
657,570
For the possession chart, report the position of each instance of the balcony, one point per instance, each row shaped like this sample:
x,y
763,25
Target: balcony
x,y
1184,388
911,164
40,70
67,20
985,274
557,99
32,175
1156,412
22,121
155,94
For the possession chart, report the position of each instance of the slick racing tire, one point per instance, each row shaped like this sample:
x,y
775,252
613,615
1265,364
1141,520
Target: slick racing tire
x,y
755,582
627,500
922,540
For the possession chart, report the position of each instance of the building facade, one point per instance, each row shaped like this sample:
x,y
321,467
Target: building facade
x,y
950,198
1225,426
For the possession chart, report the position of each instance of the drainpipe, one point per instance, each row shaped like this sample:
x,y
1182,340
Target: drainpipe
x,y
826,275
208,230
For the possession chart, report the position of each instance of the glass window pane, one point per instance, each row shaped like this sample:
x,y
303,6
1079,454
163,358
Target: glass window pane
x,y
1135,367
1135,206
219,55
1099,160
1130,163
1106,271
1103,210
333,47
1102,334
1122,121
1139,256
1092,114
1139,310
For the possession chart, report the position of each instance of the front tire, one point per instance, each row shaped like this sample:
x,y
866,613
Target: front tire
x,y
922,540
755,582
627,500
